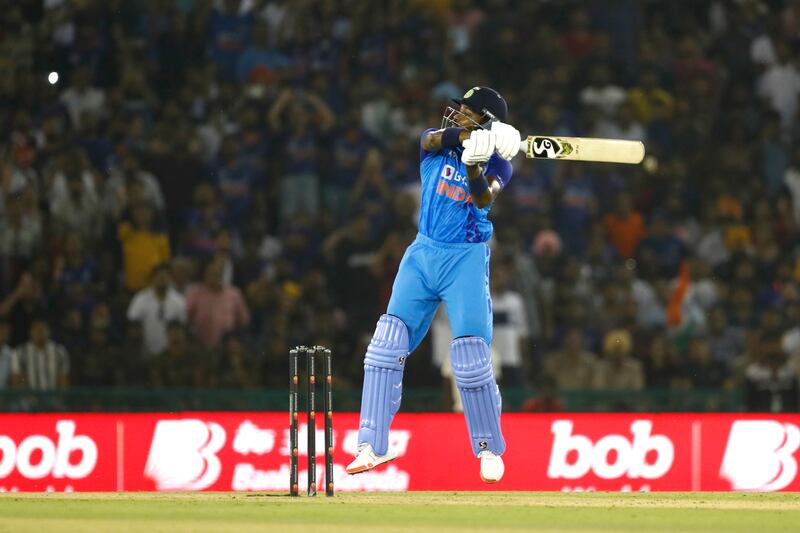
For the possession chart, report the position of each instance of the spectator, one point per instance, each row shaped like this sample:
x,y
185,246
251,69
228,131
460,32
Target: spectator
x,y
103,362
130,185
701,369
6,354
20,235
625,227
83,99
661,369
649,100
726,341
297,124
20,307
156,306
779,85
229,35
76,275
236,370
572,367
547,401
618,370
214,309
181,364
510,335
143,246
74,205
771,384
299,188
40,364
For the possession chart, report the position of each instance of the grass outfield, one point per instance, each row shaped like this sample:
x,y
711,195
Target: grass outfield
x,y
383,512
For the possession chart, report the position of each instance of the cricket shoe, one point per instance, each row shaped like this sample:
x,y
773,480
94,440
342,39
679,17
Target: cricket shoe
x,y
492,467
367,459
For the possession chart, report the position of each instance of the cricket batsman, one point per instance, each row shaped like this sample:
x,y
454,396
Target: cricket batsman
x,y
463,166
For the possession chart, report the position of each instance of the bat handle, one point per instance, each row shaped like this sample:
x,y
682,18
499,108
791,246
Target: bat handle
x,y
524,147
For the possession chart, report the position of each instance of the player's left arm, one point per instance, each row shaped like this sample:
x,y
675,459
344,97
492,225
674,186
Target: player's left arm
x,y
486,155
487,193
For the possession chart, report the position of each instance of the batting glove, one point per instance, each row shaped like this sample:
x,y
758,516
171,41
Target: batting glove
x,y
478,148
507,141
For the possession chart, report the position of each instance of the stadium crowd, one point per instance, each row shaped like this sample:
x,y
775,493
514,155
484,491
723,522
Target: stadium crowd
x,y
191,187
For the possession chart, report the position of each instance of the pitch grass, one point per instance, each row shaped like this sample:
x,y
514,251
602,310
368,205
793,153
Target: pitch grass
x,y
385,512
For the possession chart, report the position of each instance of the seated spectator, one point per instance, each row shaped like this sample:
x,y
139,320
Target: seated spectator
x,y
76,274
143,246
20,307
790,339
182,363
572,367
134,369
771,383
72,334
156,306
660,252
625,227
618,370
20,235
547,401
726,340
6,354
40,364
236,368
103,361
661,370
701,370
214,309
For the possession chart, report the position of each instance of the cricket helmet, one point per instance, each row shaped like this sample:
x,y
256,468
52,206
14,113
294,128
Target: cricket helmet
x,y
483,100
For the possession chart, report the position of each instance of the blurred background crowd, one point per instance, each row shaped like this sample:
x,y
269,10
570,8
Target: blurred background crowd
x,y
190,187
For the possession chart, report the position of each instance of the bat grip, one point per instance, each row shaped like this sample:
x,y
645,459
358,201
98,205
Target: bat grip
x,y
524,146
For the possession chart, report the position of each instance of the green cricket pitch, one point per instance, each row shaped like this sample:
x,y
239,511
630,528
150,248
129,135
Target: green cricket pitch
x,y
384,512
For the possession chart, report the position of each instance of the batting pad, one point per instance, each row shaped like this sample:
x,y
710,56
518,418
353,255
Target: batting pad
x,y
472,369
383,382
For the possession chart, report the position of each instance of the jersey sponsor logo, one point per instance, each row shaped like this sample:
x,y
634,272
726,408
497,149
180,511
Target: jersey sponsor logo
x,y
759,455
451,173
183,454
644,456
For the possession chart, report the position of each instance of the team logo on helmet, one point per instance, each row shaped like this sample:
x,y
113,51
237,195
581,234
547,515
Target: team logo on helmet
x,y
470,92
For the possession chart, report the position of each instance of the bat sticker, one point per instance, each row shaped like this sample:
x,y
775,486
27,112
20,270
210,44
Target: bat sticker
x,y
550,148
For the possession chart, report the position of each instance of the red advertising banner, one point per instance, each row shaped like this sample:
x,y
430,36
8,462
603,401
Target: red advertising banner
x,y
249,451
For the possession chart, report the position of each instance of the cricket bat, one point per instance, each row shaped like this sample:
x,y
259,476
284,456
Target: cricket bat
x,y
583,149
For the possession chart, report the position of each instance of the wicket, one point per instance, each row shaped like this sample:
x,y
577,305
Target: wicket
x,y
311,406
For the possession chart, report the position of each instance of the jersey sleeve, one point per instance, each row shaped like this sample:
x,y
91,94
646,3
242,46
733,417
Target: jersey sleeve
x,y
423,153
500,169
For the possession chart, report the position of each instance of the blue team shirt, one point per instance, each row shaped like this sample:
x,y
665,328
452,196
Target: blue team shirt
x,y
446,212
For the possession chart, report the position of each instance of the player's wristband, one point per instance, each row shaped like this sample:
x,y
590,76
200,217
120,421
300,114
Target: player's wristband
x,y
451,137
478,186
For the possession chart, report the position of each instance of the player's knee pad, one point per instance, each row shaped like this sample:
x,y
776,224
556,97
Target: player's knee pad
x,y
472,370
383,381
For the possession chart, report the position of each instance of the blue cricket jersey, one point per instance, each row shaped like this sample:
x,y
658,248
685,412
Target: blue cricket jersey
x,y
446,212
